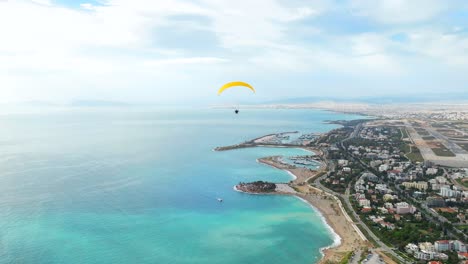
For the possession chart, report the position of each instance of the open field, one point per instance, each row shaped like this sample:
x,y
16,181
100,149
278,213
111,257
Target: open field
x,y
415,155
439,149
443,152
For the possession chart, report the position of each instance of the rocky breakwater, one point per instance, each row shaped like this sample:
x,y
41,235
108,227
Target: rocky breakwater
x,y
256,187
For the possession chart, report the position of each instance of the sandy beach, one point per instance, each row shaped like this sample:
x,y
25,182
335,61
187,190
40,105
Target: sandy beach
x,y
328,205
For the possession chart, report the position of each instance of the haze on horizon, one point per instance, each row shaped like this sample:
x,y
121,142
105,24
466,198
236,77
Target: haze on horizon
x,y
182,51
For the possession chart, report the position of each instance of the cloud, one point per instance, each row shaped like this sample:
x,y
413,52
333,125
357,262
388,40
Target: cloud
x,y
53,51
448,47
400,11
185,61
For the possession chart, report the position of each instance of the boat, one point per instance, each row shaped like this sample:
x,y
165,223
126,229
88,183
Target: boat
x,y
219,200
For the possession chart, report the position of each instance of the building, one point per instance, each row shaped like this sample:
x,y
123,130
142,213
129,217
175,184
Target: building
x,y
447,192
370,177
421,185
418,216
458,246
435,201
375,163
424,255
343,162
381,188
431,171
404,208
441,180
364,202
442,245
411,248
428,246
383,167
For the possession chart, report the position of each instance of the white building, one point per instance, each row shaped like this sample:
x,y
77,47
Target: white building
x,y
458,245
404,208
383,167
447,192
425,255
364,202
411,248
442,245
381,187
431,171
343,162
441,179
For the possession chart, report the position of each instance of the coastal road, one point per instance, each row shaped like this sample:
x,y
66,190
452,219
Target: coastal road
x,y
345,197
381,244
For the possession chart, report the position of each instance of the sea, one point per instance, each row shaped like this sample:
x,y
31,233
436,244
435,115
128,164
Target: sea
x,y
141,186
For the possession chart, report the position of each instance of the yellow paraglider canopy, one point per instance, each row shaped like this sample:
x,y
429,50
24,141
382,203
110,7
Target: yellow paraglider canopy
x,y
233,84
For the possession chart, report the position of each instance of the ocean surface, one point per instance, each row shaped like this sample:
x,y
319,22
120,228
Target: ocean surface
x,y
142,187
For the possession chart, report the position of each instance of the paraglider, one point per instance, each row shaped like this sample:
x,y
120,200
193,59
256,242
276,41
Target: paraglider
x,y
235,84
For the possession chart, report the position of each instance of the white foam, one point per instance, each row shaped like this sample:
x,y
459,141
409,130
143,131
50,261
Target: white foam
x,y
291,174
336,237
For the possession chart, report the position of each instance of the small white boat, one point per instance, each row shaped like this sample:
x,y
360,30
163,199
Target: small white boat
x,y
219,200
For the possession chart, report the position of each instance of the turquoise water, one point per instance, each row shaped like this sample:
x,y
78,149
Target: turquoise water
x,y
141,187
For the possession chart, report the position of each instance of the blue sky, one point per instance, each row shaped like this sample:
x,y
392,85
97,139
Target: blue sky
x,y
174,51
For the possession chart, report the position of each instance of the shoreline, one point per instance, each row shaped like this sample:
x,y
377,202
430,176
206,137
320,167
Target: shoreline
x,y
337,240
340,226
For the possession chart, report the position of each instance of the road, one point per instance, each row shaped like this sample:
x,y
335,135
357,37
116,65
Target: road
x,y
430,214
447,142
345,197
356,216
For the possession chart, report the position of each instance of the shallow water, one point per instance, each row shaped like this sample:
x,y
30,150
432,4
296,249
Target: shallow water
x,y
141,187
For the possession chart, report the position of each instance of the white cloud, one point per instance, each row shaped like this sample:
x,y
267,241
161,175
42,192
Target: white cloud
x,y
52,50
449,48
399,11
185,61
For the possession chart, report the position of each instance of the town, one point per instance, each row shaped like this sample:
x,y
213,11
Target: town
x,y
405,193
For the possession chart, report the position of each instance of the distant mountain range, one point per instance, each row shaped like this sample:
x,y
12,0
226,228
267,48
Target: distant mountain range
x,y
397,99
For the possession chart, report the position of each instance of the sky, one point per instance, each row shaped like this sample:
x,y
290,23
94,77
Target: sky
x,y
176,51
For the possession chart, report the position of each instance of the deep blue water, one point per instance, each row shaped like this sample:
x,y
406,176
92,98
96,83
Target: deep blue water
x,y
141,187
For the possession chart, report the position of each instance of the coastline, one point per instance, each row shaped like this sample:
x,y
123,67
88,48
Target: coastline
x,y
337,240
338,223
